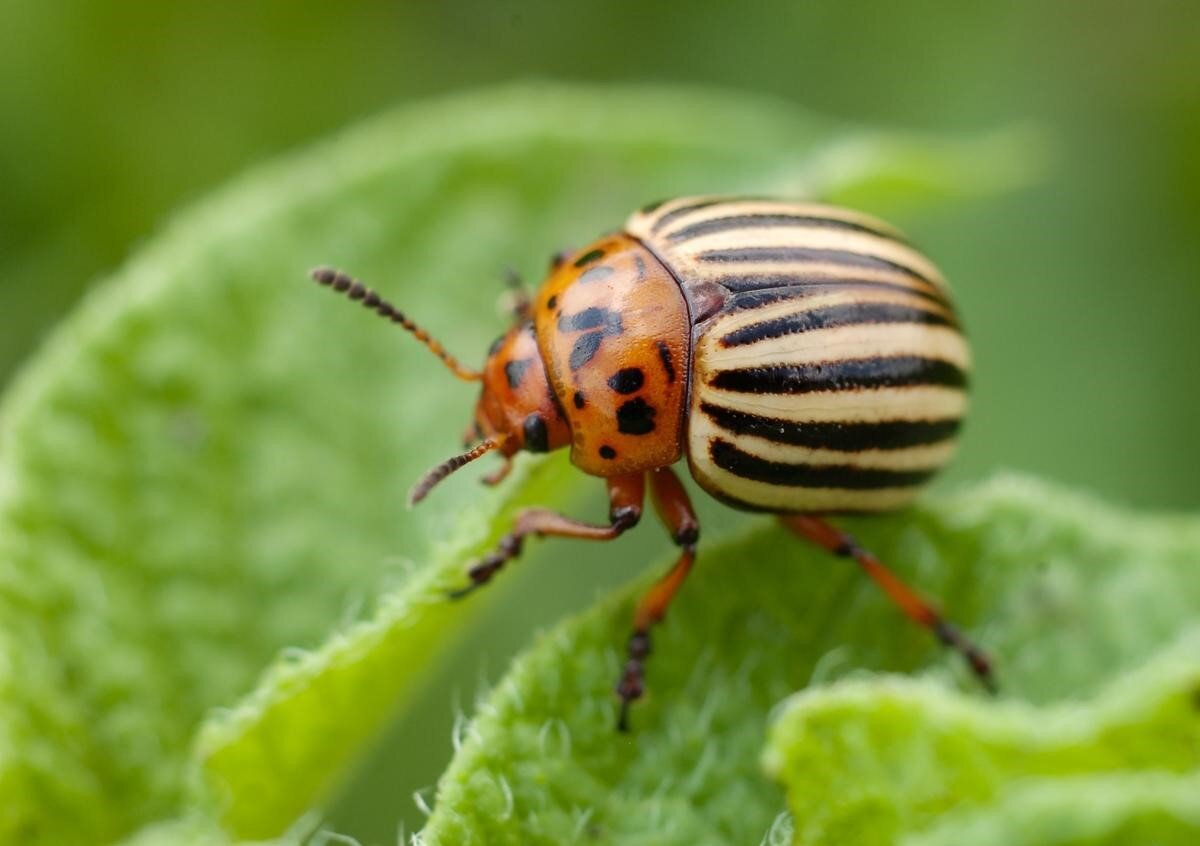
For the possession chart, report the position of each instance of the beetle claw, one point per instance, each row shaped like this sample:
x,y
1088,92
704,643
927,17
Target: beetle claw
x,y
481,573
499,474
456,594
633,682
623,717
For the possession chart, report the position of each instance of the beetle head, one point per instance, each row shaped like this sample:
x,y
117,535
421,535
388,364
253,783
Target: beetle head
x,y
517,408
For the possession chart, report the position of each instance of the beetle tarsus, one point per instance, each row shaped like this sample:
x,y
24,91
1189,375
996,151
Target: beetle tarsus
x,y
951,636
623,718
632,684
481,573
462,592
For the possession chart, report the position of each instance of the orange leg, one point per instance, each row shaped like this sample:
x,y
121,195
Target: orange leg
x,y
625,495
912,604
674,509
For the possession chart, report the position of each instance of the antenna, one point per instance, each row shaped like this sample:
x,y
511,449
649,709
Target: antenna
x,y
340,282
422,488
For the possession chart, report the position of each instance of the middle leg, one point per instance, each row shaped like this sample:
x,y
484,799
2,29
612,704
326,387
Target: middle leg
x,y
674,509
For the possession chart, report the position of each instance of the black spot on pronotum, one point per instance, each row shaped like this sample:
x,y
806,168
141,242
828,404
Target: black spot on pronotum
x,y
608,452
664,353
627,380
552,302
580,402
593,317
589,257
641,267
585,347
636,417
514,371
536,437
596,274
558,258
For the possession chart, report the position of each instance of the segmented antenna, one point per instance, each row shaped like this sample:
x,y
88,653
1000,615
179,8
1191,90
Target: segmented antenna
x,y
338,281
422,488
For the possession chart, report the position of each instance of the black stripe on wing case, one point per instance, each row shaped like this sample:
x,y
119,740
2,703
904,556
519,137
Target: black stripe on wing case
x,y
831,317
675,214
849,436
753,221
799,285
751,298
807,254
846,375
845,476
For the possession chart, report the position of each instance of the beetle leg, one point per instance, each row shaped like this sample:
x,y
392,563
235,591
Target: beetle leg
x,y
674,509
499,474
915,607
517,300
625,495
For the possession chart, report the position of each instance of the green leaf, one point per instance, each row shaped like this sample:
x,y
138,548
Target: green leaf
x,y
202,473
868,761
903,171
1072,598
1140,807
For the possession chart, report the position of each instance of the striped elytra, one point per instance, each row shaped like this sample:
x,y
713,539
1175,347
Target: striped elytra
x,y
804,359
828,366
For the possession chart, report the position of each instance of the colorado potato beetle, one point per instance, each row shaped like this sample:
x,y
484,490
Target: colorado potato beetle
x,y
805,360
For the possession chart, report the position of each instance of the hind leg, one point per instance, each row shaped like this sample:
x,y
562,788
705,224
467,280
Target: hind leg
x,y
915,607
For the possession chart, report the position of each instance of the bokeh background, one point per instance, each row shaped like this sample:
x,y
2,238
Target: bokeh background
x,y
1082,290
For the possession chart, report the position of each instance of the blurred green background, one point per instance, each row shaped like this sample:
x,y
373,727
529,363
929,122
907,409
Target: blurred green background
x,y
1082,292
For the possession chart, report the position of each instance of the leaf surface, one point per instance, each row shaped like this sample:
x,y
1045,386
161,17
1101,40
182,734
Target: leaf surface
x,y
1090,612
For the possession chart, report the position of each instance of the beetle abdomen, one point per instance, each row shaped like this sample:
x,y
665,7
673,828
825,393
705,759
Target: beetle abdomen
x,y
833,374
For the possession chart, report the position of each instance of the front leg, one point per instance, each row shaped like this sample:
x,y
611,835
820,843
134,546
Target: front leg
x,y
625,497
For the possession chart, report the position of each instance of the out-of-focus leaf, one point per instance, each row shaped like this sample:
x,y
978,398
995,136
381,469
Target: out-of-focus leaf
x,y
870,761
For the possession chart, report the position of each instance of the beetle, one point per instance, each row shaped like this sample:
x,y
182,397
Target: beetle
x,y
804,359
